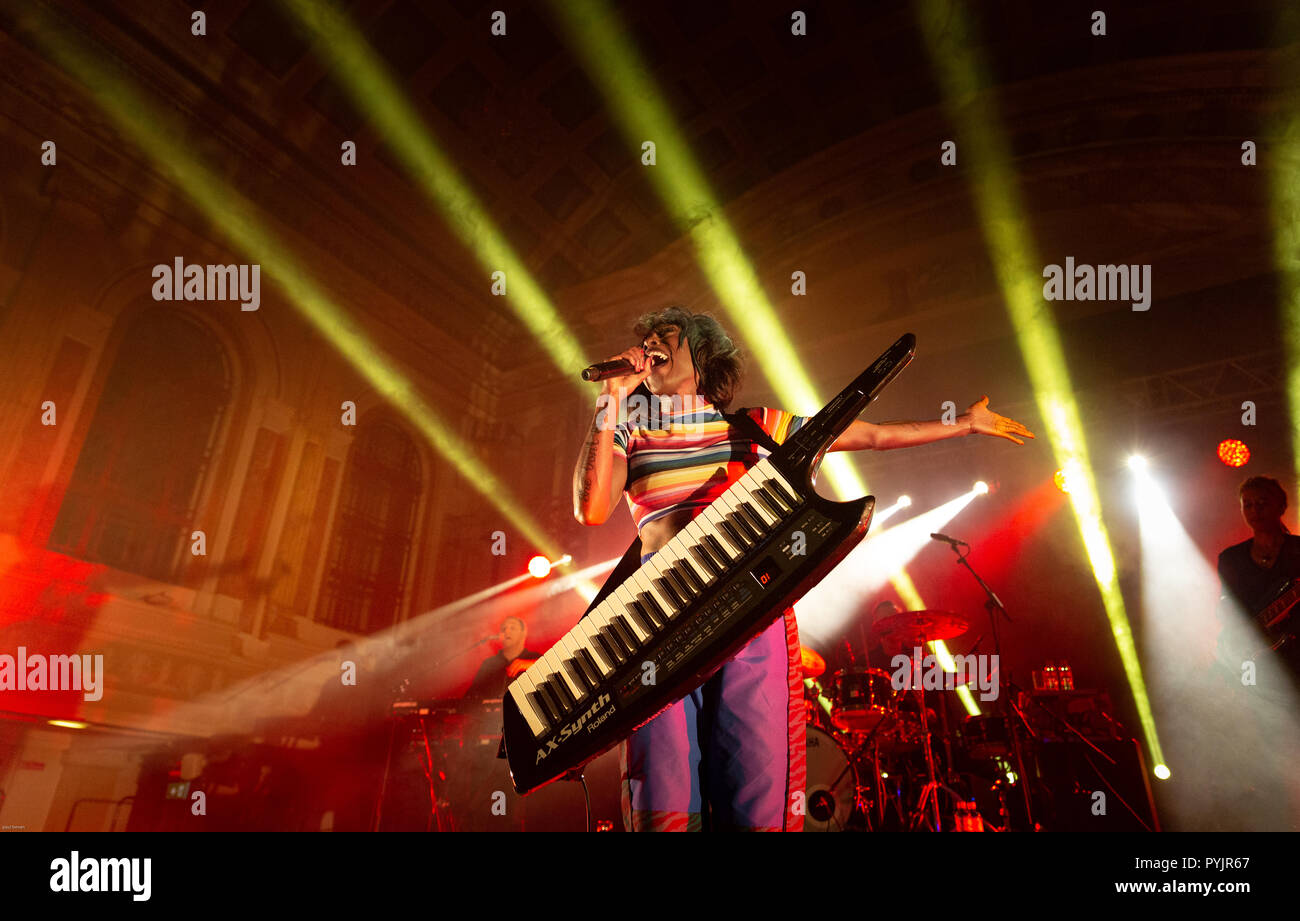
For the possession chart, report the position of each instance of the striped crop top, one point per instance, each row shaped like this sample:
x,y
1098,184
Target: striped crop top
x,y
691,456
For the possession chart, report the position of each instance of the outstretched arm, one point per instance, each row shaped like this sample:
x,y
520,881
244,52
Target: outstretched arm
x,y
978,419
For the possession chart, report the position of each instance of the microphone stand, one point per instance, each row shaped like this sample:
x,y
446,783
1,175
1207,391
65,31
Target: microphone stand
x,y
993,604
416,643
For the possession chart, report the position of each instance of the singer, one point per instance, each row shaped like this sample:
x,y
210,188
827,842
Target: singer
x,y
729,755
496,671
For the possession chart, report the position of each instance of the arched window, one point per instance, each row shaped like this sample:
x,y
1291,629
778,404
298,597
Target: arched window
x,y
370,550
131,501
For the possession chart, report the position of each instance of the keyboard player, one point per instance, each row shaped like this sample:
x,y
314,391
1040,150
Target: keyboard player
x,y
498,670
731,754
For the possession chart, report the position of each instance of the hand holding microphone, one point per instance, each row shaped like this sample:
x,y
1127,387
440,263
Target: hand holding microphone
x,y
625,371
605,369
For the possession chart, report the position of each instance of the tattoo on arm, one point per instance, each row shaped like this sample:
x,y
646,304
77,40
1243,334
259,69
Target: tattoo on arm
x,y
587,480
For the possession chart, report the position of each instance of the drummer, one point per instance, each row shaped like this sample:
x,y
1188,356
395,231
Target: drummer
x,y
877,655
860,648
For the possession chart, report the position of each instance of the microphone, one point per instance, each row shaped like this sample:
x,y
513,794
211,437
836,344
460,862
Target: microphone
x,y
952,541
612,368
603,369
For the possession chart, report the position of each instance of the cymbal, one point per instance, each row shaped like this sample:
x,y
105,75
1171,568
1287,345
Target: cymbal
x,y
915,628
811,662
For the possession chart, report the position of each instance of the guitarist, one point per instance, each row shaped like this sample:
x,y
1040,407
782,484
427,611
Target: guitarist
x,y
730,755
1256,571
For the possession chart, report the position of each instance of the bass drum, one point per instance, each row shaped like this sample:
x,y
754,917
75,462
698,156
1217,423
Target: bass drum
x,y
832,786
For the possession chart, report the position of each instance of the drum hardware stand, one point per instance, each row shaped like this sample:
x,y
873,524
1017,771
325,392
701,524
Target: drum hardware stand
x,y
946,735
858,755
930,792
854,757
994,606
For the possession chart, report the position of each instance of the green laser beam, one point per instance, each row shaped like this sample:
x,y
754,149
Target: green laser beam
x,y
374,91
949,40
160,139
1282,161
643,115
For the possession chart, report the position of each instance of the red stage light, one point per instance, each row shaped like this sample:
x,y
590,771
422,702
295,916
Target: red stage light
x,y
539,567
1234,453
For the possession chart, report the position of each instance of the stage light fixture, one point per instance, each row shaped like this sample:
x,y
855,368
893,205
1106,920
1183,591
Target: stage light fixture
x,y
539,567
1234,453
904,501
884,514
1138,462
981,488
1162,772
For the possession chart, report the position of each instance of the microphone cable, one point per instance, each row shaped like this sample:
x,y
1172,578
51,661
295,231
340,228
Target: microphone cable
x,y
586,795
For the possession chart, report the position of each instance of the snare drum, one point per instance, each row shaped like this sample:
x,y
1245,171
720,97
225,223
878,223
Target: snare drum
x,y
862,699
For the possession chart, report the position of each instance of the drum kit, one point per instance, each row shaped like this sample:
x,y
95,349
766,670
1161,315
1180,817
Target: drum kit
x,y
883,754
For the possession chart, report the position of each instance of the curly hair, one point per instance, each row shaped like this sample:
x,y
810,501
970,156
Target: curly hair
x,y
716,358
1265,484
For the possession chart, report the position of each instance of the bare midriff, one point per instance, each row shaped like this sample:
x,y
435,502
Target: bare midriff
x,y
660,531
